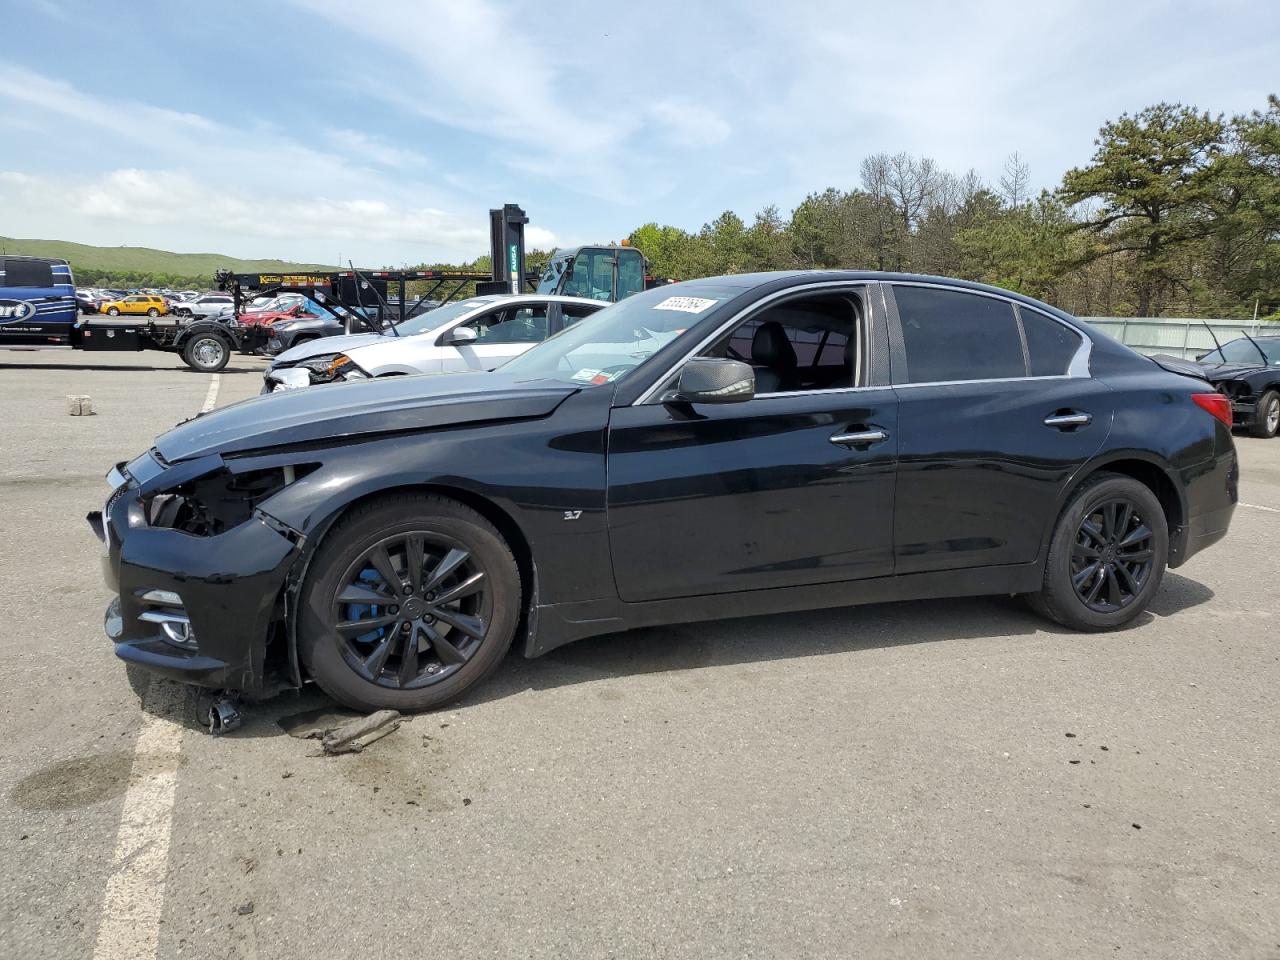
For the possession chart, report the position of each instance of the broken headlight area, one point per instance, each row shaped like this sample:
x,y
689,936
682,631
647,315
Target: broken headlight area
x,y
211,505
331,367
1235,389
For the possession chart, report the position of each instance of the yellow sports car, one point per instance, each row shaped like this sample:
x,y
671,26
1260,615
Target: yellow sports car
x,y
136,304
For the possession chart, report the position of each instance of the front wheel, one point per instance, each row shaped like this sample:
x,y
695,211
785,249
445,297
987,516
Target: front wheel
x,y
206,352
409,602
113,311
1107,555
1267,420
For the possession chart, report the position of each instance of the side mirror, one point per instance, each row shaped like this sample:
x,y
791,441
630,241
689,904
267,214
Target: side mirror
x,y
713,380
459,336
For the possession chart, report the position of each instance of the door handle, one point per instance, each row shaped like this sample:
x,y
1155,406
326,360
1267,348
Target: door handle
x,y
1064,421
859,438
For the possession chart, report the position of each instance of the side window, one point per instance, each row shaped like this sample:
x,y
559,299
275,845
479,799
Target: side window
x,y
513,325
27,273
810,343
951,335
573,313
1050,345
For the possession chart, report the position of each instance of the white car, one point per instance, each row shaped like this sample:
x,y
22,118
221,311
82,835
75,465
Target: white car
x,y
210,306
477,334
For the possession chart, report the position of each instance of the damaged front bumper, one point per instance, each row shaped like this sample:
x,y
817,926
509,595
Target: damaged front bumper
x,y
195,609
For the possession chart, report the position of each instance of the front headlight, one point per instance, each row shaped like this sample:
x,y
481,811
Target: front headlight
x,y
218,501
329,366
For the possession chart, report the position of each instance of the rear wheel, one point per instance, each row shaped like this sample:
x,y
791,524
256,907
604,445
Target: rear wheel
x,y
1107,555
206,352
153,313
1267,420
410,601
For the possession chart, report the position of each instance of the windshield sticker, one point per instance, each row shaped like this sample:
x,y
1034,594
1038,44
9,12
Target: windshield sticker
x,y
686,304
586,375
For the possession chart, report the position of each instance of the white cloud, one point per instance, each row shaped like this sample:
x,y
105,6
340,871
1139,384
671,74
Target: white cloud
x,y
131,206
207,182
690,124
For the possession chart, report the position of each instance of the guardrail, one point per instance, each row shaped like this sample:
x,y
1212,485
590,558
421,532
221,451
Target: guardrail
x,y
1185,337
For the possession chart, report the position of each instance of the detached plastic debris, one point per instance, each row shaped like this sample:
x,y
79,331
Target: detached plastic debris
x,y
342,732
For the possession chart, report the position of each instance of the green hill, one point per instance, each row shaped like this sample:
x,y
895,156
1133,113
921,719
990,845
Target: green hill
x,y
96,264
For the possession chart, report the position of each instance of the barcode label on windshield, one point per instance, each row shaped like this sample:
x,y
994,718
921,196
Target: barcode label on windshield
x,y
686,304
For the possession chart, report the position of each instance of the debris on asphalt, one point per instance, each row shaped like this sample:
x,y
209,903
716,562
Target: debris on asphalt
x,y
245,909
1136,826
342,731
1071,735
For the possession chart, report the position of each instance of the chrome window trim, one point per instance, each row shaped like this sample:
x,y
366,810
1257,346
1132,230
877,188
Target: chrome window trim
x,y
833,285
1078,368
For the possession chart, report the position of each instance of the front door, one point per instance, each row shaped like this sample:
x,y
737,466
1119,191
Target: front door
x,y
793,487
501,335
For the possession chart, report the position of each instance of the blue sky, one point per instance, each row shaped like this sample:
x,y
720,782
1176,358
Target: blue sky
x,y
383,131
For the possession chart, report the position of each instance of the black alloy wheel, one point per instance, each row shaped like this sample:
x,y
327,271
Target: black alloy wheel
x,y
1107,555
411,610
410,601
1112,556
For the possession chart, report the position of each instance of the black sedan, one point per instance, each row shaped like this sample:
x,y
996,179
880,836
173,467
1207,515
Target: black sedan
x,y
1247,371
724,447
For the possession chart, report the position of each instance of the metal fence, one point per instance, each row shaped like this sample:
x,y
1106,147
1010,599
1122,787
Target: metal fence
x,y
1185,337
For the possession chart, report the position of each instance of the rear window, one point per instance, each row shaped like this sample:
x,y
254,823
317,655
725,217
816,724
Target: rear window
x,y
27,273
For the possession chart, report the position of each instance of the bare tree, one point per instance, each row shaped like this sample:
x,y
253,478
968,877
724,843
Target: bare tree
x,y
1015,182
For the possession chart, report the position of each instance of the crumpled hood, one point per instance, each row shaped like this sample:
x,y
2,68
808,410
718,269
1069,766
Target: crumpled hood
x,y
361,408
318,348
1228,371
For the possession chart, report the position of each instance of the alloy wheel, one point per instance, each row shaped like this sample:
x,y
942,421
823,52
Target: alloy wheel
x,y
1273,416
208,352
411,611
1111,556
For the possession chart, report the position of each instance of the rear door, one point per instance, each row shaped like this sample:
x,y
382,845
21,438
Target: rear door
x,y
996,413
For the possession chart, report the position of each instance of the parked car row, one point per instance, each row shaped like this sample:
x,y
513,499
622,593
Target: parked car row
x,y
731,446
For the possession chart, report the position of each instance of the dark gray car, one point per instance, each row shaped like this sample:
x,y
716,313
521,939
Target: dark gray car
x,y
286,334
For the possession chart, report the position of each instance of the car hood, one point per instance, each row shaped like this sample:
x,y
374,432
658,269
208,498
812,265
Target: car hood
x,y
326,345
361,408
1229,371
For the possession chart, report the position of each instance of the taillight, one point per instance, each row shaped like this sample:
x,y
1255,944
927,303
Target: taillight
x,y
1216,404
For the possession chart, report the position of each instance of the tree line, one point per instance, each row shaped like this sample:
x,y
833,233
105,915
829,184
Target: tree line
x,y
1177,213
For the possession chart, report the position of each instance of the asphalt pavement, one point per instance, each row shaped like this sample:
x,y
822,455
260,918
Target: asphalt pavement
x,y
940,779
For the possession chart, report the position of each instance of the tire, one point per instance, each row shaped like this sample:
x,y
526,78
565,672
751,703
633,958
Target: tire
x,y
113,311
1069,559
301,340
206,352
153,313
1266,421
446,661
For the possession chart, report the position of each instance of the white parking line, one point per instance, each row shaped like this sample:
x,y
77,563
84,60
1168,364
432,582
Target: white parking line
x,y
133,902
211,397
134,898
1254,506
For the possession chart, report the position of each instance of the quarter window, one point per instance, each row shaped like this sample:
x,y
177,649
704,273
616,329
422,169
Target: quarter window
x,y
951,335
1051,345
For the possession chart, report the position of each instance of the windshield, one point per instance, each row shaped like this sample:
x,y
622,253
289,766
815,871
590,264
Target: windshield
x,y
1242,351
610,344
437,317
